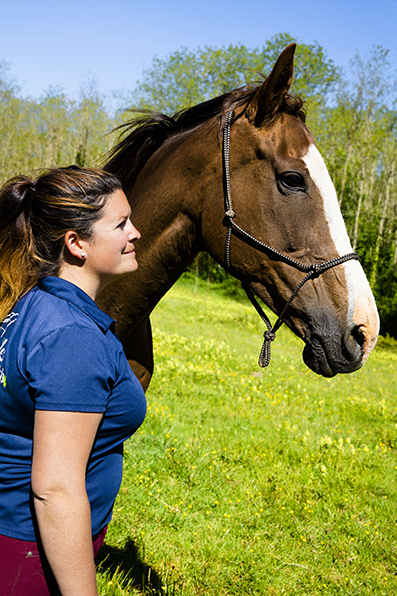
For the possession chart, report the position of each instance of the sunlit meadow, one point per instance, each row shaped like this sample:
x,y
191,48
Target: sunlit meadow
x,y
244,481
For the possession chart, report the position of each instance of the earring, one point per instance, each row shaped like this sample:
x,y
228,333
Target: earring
x,y
83,255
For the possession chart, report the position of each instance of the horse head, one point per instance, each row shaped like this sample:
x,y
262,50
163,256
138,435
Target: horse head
x,y
286,218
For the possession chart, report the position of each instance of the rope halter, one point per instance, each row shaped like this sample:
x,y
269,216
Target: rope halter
x,y
313,270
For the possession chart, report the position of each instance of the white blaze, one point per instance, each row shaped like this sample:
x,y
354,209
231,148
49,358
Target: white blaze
x,y
361,309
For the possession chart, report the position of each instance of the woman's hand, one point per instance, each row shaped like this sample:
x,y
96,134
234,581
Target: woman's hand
x,y
62,443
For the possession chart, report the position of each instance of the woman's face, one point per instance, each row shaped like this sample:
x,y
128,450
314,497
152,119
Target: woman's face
x,y
110,251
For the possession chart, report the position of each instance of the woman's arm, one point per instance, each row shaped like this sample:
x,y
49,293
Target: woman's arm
x,y
62,443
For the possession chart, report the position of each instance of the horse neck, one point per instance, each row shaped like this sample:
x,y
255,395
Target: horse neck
x,y
166,202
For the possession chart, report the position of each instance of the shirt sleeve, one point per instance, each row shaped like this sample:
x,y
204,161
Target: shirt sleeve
x,y
71,370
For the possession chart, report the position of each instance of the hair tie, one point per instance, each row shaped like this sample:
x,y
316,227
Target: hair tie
x,y
28,194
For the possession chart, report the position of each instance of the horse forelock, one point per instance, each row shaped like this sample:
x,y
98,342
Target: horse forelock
x,y
144,134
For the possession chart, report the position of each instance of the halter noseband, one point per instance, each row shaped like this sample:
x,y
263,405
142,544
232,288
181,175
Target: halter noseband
x,y
312,270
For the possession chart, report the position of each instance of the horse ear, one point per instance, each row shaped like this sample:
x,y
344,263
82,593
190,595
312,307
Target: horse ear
x,y
269,96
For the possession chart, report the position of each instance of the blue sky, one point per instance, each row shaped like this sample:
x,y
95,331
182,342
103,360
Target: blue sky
x,y
61,43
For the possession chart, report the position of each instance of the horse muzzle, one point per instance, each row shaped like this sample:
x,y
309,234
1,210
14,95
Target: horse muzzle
x,y
329,352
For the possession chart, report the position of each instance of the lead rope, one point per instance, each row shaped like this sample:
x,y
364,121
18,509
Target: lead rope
x,y
313,270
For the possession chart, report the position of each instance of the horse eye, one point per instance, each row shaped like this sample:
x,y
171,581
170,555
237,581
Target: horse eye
x,y
292,181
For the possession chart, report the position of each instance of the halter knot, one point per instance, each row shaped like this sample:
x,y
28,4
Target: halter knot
x,y
316,268
269,335
230,213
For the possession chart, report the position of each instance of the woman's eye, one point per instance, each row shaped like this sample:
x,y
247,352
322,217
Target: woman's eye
x,y
292,181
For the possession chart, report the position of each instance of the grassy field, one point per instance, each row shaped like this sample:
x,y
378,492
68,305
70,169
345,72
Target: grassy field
x,y
244,481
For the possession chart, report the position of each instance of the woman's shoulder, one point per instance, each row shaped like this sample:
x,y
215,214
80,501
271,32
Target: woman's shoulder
x,y
57,340
55,304
42,321
39,314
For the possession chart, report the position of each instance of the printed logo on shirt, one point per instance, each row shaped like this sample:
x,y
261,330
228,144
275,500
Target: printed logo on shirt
x,y
9,320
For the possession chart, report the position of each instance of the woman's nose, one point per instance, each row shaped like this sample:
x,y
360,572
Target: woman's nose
x,y
133,233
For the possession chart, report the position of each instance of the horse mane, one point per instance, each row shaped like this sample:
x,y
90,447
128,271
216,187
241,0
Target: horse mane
x,y
142,135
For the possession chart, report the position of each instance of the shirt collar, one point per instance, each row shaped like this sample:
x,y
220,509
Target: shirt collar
x,y
71,293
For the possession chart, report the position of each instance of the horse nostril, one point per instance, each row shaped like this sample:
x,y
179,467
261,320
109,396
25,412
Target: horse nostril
x,y
358,336
353,343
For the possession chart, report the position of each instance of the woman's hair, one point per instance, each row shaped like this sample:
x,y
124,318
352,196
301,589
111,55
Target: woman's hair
x,y
34,218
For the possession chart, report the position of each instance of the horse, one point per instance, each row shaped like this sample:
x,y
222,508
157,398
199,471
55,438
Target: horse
x,y
240,177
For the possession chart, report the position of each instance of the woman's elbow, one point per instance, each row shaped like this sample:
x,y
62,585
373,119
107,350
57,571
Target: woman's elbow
x,y
51,490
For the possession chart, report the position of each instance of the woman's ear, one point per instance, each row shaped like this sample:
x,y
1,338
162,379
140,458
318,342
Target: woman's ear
x,y
75,245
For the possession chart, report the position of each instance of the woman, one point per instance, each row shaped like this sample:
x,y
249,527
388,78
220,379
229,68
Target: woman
x,y
68,397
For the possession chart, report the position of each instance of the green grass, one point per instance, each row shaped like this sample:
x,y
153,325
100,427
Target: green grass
x,y
245,481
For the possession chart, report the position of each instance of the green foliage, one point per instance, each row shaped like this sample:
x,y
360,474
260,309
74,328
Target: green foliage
x,y
52,131
187,77
250,481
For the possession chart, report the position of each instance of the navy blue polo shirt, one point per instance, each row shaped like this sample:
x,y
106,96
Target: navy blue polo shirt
x,y
58,352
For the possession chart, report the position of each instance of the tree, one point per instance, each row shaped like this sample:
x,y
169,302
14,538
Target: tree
x,y
92,124
52,131
188,77
359,139
12,120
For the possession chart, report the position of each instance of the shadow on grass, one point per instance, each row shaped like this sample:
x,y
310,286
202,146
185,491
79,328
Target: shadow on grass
x,y
130,564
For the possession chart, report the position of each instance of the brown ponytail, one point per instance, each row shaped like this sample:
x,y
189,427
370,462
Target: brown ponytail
x,y
34,218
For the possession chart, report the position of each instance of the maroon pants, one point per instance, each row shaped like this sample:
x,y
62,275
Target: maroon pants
x,y
24,570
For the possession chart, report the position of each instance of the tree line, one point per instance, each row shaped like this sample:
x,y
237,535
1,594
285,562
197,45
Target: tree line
x,y
351,112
